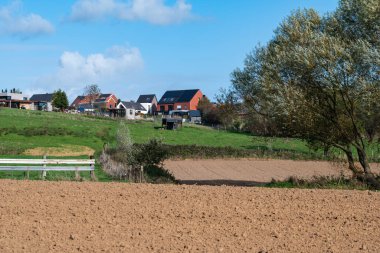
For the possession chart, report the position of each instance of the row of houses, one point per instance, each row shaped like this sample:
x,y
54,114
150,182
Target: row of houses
x,y
15,99
171,102
176,102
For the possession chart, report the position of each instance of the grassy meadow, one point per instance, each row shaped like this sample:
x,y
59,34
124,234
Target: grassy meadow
x,y
22,130
31,134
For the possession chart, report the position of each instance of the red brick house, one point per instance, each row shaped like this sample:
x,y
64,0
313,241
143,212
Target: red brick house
x,y
179,100
102,102
105,102
79,100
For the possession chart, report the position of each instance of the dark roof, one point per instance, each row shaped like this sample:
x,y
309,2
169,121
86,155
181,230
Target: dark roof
x,y
78,99
133,105
175,96
42,97
102,97
146,98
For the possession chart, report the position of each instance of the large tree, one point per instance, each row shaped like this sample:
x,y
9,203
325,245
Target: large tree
x,y
209,111
60,100
319,78
92,92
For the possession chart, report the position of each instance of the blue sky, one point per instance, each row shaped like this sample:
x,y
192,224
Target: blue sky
x,y
132,47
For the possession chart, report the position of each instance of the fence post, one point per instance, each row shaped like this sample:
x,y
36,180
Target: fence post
x,y
77,174
92,171
44,169
141,174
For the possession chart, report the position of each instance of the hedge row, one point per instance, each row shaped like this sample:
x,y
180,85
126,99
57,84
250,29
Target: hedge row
x,y
207,152
102,133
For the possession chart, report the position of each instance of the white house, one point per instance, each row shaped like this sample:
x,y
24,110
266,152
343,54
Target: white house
x,y
43,102
129,109
14,99
149,102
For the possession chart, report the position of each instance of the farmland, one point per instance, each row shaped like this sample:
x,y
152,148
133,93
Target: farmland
x,y
115,217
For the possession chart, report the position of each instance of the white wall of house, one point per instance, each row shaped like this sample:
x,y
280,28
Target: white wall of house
x,y
148,108
14,96
130,113
49,106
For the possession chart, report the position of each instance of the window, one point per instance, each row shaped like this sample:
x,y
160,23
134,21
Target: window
x,y
130,112
179,107
162,108
185,107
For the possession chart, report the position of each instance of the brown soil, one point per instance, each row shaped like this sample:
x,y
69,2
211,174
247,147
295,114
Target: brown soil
x,y
65,150
38,216
252,171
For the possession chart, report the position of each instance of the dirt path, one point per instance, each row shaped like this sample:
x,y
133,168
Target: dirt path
x,y
251,171
40,216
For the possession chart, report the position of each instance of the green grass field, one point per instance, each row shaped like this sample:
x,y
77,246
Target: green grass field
x,y
28,134
21,130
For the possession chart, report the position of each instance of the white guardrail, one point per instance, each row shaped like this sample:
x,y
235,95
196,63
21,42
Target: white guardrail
x,y
42,165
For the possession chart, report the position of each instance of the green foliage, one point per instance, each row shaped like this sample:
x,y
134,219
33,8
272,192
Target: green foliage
x,y
319,82
227,107
210,113
125,161
324,182
60,100
152,153
207,152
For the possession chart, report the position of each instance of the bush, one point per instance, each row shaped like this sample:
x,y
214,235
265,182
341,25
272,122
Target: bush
x,y
325,182
152,153
126,160
199,152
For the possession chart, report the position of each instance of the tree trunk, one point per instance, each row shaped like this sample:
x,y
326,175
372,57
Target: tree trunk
x,y
363,160
351,162
368,177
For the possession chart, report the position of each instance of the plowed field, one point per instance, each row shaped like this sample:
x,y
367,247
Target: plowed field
x,y
252,171
38,216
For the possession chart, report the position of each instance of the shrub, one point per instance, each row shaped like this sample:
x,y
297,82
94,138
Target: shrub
x,y
199,152
152,153
120,162
127,159
326,182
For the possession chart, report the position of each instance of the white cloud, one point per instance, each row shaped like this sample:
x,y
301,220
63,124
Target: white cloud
x,y
152,11
117,66
29,25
